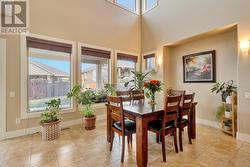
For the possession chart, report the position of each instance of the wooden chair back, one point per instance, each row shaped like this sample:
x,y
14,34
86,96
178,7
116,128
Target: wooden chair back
x,y
187,103
116,110
178,93
172,104
137,95
126,95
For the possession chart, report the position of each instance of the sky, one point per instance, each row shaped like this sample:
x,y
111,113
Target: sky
x,y
130,4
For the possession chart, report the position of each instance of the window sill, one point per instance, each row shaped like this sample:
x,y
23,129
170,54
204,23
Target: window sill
x,y
38,114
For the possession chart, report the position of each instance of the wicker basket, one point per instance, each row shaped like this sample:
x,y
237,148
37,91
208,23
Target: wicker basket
x,y
51,131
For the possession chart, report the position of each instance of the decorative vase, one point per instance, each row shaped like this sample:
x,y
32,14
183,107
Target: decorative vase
x,y
228,114
152,98
90,122
229,99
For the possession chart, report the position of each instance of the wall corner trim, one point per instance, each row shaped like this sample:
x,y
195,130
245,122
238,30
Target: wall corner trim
x,y
243,137
208,123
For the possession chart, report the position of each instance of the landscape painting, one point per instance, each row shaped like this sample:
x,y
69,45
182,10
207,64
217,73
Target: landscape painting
x,y
199,67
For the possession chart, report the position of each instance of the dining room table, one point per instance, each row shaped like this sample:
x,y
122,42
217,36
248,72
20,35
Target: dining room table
x,y
142,113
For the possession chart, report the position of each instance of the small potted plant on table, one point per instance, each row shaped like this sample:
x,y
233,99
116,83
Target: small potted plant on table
x,y
226,89
50,120
84,98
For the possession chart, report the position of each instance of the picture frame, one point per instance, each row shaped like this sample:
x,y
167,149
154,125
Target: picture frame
x,y
199,67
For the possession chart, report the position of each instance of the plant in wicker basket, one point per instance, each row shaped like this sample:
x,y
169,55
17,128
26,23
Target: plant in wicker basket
x,y
84,98
50,121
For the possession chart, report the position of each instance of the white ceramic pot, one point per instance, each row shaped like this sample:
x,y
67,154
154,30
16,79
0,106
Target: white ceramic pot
x,y
228,114
229,99
228,128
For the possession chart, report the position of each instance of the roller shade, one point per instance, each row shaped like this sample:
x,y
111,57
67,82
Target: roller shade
x,y
149,56
122,56
48,45
96,52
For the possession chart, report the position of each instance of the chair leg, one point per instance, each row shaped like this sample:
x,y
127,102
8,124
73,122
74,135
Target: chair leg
x,y
189,134
175,142
157,138
123,149
163,148
112,139
180,138
128,138
131,139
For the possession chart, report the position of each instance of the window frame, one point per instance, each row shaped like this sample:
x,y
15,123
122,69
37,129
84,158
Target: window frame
x,y
137,64
24,74
137,6
144,61
144,6
79,70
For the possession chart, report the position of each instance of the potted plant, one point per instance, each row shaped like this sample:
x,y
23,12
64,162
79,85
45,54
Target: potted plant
x,y
50,120
151,88
137,80
228,113
84,98
226,89
220,112
110,90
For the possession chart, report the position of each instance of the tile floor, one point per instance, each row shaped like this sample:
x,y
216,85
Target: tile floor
x,y
80,148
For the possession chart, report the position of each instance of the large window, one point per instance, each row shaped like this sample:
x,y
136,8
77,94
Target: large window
x,y
149,62
95,71
125,64
128,4
49,73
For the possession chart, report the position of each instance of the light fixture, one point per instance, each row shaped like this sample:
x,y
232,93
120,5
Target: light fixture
x,y
244,46
159,60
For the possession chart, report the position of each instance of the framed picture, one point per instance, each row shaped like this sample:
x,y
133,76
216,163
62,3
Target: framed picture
x,y
199,67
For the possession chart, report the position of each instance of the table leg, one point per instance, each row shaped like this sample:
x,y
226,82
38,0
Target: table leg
x,y
141,142
193,122
108,126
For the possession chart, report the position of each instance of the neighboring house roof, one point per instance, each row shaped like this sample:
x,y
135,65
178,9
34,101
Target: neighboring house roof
x,y
37,68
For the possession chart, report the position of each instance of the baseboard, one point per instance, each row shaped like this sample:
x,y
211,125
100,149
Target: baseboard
x,y
243,137
208,123
23,132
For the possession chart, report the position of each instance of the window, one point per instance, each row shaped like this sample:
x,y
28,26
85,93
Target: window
x,y
125,64
150,4
49,73
95,71
127,4
149,62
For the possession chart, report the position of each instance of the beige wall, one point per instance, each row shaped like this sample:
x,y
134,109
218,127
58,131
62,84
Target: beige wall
x,y
175,20
225,45
94,22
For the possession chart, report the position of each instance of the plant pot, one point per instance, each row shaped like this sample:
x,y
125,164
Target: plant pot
x,y
89,122
228,114
229,99
51,131
224,95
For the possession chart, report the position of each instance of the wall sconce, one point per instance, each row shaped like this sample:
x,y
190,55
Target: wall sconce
x,y
244,46
160,61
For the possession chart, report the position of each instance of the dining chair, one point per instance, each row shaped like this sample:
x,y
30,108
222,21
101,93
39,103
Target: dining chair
x,y
185,111
126,95
123,127
173,92
167,125
137,95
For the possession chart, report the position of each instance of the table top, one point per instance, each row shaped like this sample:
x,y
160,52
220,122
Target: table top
x,y
143,108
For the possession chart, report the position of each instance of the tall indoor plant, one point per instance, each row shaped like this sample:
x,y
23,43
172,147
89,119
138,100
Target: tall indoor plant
x,y
137,80
50,120
225,88
84,98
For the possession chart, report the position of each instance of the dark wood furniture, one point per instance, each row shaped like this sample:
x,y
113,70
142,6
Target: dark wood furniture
x,y
143,113
126,95
185,110
137,95
167,124
123,127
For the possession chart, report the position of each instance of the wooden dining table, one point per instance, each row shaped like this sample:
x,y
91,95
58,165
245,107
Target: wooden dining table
x,y
142,113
